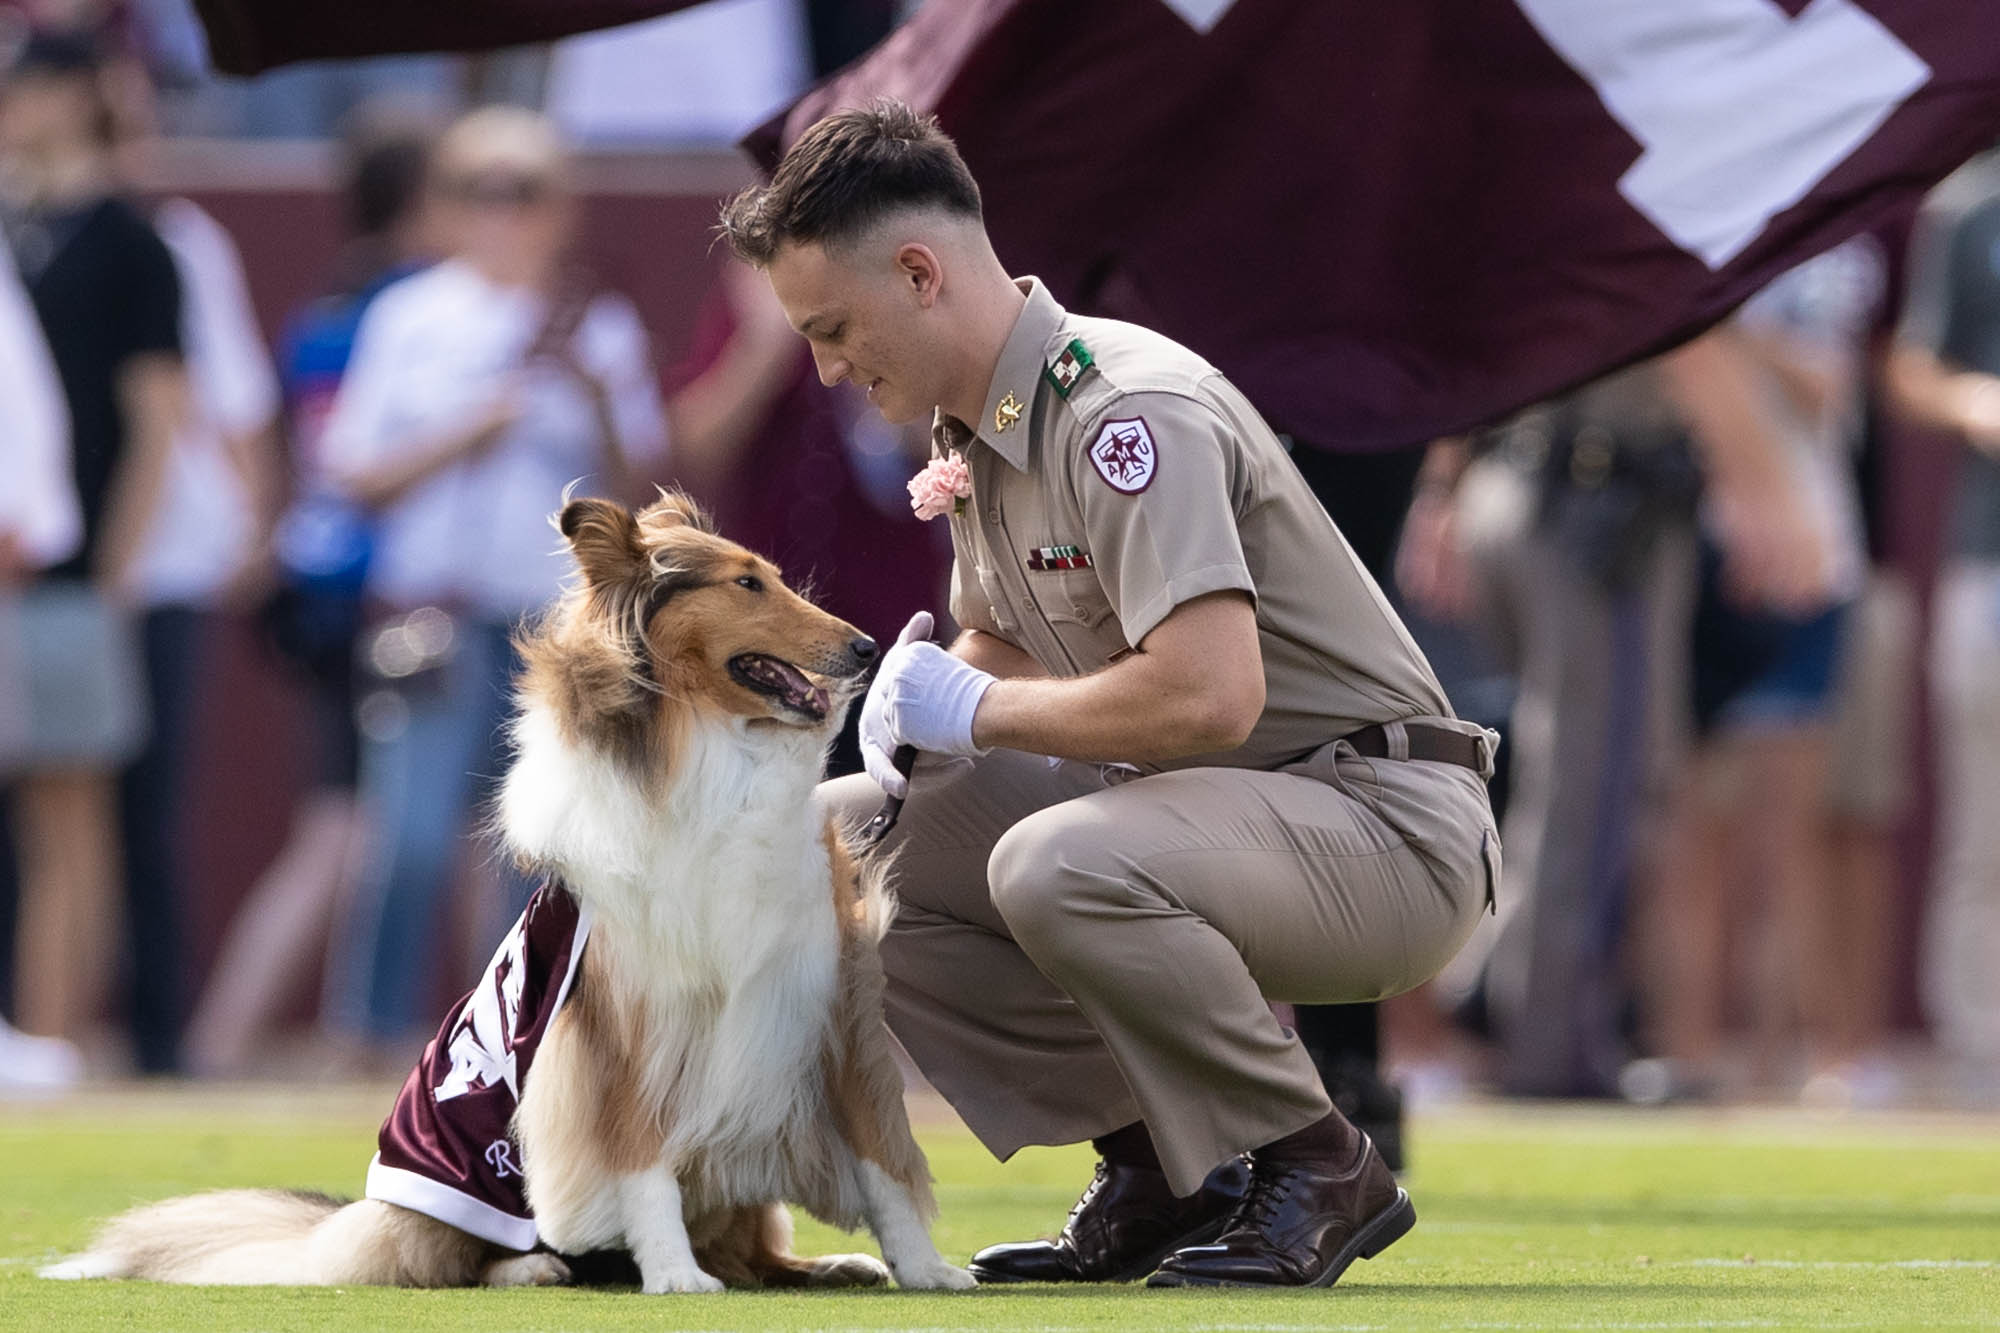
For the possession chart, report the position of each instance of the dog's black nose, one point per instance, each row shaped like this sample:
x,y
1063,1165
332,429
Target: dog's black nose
x,y
863,649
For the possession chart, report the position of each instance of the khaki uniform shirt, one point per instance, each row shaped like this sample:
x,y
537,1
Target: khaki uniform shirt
x,y
1115,475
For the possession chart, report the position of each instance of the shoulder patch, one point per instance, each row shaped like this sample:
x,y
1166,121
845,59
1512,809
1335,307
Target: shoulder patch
x,y
1125,456
1068,368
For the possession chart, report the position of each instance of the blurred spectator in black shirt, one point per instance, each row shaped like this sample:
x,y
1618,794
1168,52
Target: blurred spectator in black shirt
x,y
105,293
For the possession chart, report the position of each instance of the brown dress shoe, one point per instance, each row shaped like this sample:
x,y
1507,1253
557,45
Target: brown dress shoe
x,y
1125,1223
1300,1225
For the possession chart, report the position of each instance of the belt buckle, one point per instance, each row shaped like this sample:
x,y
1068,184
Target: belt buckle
x,y
1486,746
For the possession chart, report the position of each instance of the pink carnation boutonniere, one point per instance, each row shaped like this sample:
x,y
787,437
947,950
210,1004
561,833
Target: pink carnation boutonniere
x,y
941,488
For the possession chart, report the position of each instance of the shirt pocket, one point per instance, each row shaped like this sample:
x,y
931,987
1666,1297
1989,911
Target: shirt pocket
x,y
1080,614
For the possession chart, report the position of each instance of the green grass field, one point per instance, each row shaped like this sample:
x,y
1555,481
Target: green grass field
x,y
1530,1218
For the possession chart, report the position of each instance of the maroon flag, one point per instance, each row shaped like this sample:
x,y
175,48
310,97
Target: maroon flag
x,y
1384,221
250,36
1387,222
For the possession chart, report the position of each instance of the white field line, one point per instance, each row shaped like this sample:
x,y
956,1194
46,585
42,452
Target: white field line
x,y
1835,1263
1751,1203
1511,1327
1508,1326
1468,1326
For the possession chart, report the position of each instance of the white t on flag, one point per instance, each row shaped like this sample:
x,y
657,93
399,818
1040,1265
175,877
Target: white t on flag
x,y
1742,107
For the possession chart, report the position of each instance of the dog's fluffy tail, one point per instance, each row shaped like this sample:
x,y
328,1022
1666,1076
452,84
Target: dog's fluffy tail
x,y
230,1237
287,1238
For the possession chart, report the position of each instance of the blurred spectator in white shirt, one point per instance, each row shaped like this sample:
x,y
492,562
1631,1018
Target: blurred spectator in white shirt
x,y
320,550
40,525
105,291
462,443
1945,374
39,520
478,390
1751,834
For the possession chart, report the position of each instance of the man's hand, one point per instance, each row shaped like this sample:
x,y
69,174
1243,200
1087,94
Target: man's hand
x,y
1430,564
15,567
922,696
416,461
1975,400
1774,554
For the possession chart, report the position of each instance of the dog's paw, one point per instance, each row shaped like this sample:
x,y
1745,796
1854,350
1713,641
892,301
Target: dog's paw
x,y
680,1277
848,1270
526,1270
935,1275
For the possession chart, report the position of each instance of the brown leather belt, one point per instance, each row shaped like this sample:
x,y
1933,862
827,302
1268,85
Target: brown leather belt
x,y
1425,742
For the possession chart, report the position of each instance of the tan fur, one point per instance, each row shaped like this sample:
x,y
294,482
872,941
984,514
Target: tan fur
x,y
865,1087
626,663
248,1237
179,1239
371,1243
597,1037
584,658
584,1124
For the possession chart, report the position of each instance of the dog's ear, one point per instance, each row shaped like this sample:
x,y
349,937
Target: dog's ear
x,y
605,538
676,509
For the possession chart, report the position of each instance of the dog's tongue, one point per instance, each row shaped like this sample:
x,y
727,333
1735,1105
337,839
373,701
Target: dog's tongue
x,y
798,691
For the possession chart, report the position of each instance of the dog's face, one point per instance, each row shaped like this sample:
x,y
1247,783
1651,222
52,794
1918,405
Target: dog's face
x,y
702,622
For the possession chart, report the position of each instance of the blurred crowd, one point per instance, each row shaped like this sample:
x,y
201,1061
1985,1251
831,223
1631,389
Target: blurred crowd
x,y
371,490
1670,589
1681,573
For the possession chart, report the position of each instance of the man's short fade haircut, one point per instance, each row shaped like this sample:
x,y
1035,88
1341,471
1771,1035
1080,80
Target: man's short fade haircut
x,y
844,175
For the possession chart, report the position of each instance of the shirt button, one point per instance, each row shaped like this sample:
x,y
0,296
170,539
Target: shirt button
x,y
993,515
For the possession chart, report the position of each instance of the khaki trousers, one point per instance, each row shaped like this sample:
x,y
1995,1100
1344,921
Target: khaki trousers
x,y
1073,952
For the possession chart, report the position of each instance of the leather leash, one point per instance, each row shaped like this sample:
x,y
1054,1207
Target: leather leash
x,y
878,828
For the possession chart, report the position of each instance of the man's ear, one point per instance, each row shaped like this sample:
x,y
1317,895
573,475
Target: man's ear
x,y
918,266
605,538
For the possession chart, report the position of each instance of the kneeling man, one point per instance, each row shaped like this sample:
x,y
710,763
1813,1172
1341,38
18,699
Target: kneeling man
x,y
1183,759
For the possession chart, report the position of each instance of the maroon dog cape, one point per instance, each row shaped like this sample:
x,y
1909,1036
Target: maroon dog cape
x,y
447,1149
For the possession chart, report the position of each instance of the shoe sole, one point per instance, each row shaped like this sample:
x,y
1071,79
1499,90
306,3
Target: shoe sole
x,y
1131,1273
1377,1234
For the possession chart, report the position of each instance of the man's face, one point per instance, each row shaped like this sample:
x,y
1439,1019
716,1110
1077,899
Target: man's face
x,y
40,110
866,322
508,217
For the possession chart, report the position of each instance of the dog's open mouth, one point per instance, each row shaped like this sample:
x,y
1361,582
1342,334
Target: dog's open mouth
x,y
781,681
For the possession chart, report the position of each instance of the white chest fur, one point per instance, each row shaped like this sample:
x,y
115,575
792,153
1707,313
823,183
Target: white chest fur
x,y
714,914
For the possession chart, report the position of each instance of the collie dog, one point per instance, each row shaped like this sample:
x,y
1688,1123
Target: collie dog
x,y
695,985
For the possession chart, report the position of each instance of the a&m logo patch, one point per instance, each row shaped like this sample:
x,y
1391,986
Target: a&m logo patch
x,y
1124,455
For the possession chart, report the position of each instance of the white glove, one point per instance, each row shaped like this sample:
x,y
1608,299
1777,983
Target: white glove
x,y
922,696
